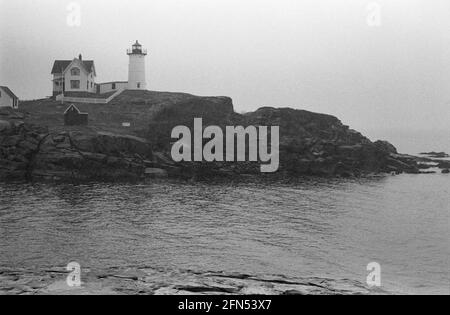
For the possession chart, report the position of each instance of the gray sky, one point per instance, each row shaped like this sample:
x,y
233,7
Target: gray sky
x,y
318,55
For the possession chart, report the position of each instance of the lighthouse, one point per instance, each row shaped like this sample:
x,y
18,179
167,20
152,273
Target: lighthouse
x,y
136,67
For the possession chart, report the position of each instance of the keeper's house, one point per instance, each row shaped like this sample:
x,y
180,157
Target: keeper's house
x,y
74,80
8,98
75,75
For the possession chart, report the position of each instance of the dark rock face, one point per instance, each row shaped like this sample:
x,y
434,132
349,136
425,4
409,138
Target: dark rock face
x,y
310,144
386,146
18,144
438,155
4,125
444,164
91,156
319,144
214,111
31,152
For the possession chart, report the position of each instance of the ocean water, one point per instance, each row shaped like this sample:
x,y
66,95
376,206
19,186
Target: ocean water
x,y
414,141
307,227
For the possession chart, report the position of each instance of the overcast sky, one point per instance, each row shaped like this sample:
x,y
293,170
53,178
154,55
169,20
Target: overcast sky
x,y
319,55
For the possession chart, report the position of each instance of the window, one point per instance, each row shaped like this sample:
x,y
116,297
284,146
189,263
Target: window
x,y
0,93
92,85
113,86
75,84
138,85
75,71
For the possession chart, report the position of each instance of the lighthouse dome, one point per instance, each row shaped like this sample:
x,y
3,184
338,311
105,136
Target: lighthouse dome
x,y
136,48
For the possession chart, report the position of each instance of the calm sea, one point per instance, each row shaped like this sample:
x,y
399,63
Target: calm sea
x,y
414,141
307,227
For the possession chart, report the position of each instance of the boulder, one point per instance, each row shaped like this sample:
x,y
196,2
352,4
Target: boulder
x,y
4,125
446,171
437,155
111,144
444,164
385,146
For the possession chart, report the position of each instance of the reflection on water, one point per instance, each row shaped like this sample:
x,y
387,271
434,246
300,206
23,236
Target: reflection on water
x,y
308,227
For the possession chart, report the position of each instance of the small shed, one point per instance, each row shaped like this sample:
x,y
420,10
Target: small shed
x,y
74,117
8,98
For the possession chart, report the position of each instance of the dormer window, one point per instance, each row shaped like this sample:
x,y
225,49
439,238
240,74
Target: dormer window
x,y
75,71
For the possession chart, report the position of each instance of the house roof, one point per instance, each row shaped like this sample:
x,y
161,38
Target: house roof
x,y
9,92
72,106
60,65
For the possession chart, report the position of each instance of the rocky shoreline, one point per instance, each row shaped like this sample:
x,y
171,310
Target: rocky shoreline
x,y
154,281
34,148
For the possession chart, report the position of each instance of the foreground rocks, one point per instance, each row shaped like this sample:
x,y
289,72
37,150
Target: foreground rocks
x,y
153,281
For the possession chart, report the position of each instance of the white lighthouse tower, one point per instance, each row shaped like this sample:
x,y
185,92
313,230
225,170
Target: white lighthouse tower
x,y
136,67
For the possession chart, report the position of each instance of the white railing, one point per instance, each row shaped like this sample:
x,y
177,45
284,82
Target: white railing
x,y
87,99
136,51
109,99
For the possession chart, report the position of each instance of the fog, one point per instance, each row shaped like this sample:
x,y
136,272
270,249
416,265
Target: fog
x,y
378,68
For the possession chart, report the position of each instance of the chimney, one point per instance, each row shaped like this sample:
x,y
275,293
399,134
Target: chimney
x,y
80,57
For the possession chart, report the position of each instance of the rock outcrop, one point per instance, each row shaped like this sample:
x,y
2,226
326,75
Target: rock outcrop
x,y
437,155
32,152
310,143
319,144
91,156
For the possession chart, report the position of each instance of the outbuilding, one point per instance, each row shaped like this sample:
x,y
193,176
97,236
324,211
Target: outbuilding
x,y
8,98
74,117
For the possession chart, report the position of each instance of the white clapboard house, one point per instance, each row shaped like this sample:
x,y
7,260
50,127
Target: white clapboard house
x,y
75,75
75,80
8,98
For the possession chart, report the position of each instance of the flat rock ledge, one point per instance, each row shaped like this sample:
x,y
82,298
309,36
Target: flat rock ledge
x,y
151,281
